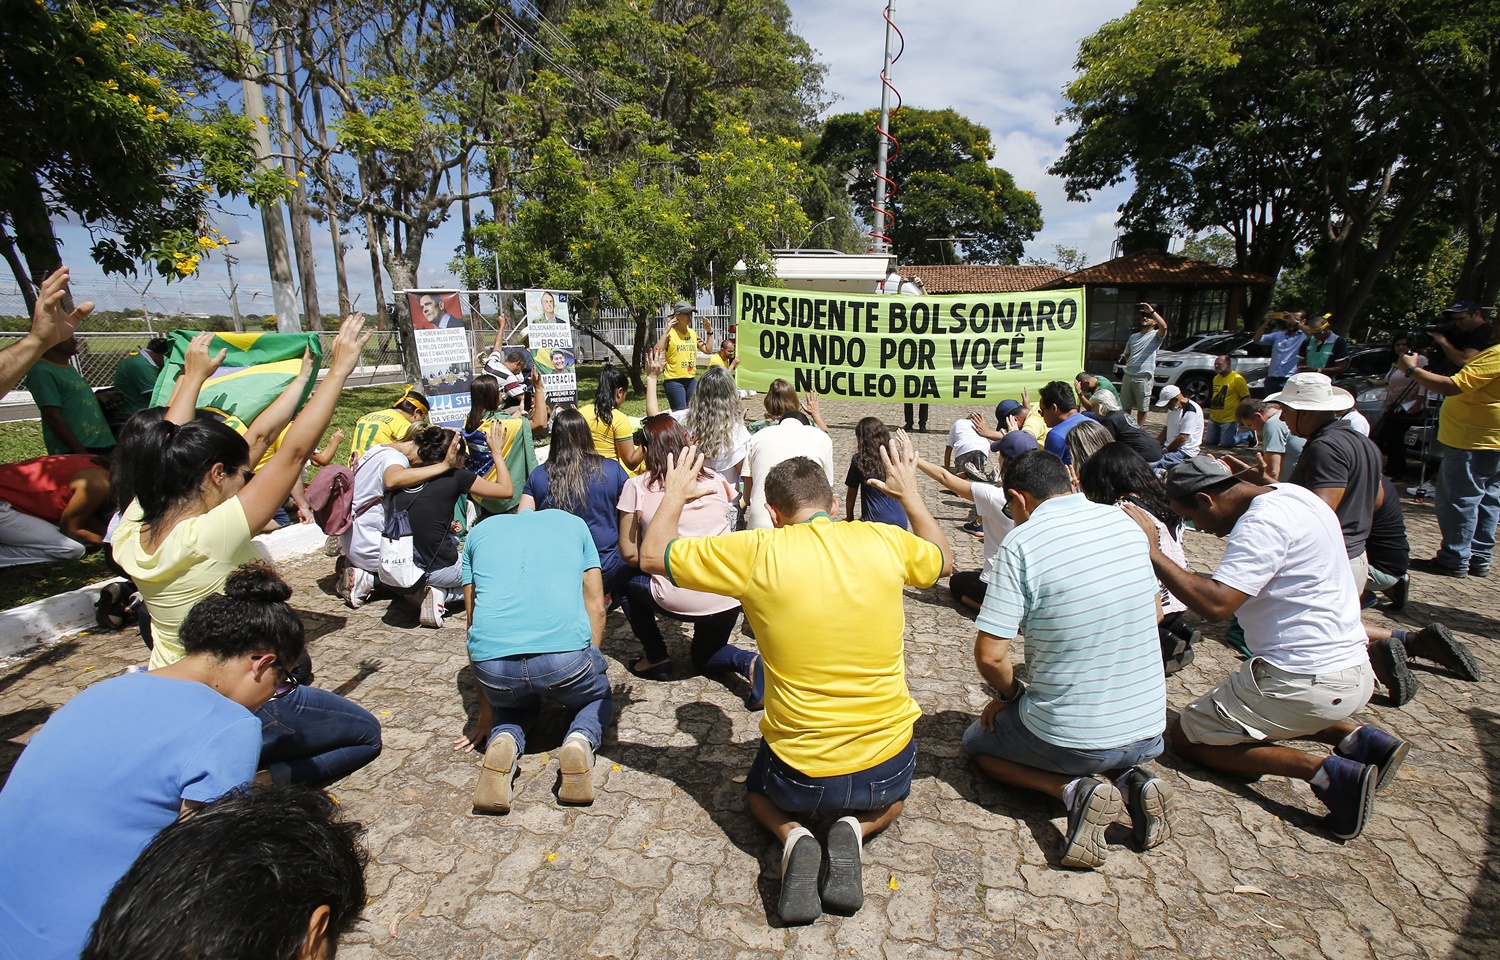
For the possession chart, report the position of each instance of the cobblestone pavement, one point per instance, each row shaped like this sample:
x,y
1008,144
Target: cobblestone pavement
x,y
667,862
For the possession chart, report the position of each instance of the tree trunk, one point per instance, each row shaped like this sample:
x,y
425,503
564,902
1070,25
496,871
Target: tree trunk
x,y
468,222
33,228
17,269
330,210
291,148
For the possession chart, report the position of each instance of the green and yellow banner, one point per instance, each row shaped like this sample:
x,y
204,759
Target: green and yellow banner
x,y
974,348
256,368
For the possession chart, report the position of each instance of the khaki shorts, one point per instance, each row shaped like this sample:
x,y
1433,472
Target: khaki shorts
x,y
1260,702
1135,392
1360,567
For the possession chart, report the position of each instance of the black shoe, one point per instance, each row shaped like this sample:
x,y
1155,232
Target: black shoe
x,y
1482,573
1388,660
799,903
1377,748
1151,803
1431,565
843,889
1437,643
1095,807
1367,599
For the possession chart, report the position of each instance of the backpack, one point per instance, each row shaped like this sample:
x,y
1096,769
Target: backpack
x,y
331,495
399,566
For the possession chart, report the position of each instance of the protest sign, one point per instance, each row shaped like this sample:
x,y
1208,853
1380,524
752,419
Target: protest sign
x,y
444,361
551,341
973,348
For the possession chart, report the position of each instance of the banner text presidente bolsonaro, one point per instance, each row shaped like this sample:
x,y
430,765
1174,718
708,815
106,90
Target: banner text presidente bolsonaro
x,y
972,348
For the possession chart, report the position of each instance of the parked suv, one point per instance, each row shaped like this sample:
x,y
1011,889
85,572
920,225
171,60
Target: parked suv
x,y
1188,363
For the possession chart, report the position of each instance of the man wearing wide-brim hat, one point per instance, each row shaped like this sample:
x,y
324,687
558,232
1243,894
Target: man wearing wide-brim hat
x,y
1342,468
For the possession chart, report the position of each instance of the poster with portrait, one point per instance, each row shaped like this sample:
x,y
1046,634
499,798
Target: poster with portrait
x,y
551,342
444,361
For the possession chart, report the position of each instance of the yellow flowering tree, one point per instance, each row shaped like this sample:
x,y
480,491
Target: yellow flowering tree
x,y
102,125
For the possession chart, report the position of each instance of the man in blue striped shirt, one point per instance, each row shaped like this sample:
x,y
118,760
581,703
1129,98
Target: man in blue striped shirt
x,y
1097,702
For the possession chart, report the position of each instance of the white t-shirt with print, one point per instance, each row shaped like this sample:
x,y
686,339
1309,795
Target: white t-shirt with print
x,y
1187,419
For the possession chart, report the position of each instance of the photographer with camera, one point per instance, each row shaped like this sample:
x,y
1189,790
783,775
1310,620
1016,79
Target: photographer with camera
x,y
1468,482
1139,361
1462,334
1284,344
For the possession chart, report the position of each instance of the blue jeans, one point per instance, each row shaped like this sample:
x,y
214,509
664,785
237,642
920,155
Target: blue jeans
x,y
1468,505
1169,459
711,650
1013,741
795,792
1224,434
679,392
515,687
312,736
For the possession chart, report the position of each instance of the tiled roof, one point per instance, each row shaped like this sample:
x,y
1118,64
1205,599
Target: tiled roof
x,y
980,278
1152,268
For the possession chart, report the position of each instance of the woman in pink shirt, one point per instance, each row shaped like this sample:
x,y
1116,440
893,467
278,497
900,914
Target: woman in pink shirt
x,y
713,617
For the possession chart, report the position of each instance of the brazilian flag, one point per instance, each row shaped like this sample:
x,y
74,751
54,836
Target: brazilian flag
x,y
256,368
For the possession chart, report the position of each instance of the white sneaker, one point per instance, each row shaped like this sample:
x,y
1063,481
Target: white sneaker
x,y
432,607
361,585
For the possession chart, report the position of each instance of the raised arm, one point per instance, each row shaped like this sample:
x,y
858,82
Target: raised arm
x,y
1203,595
1428,380
397,478
541,410
679,488
955,484
197,367
656,362
264,494
811,405
502,486
50,325
268,425
330,450
901,482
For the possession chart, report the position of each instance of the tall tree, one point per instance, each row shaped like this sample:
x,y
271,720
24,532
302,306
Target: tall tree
x,y
946,185
102,124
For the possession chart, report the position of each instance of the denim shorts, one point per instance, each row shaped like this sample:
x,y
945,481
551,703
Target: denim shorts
x,y
1012,740
794,792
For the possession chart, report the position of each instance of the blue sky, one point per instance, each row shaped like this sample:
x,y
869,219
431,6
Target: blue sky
x,y
1002,63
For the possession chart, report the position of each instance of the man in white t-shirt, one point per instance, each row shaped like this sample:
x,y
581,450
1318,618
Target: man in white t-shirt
x,y
1182,437
1286,576
792,436
968,586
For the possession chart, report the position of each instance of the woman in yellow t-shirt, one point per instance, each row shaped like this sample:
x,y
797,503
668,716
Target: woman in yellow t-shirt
x,y
195,504
614,437
680,345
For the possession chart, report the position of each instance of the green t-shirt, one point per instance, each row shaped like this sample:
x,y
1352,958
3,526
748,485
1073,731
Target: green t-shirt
x,y
1104,384
59,385
135,378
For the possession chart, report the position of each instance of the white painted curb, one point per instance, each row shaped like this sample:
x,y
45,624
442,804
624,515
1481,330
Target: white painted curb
x,y
46,622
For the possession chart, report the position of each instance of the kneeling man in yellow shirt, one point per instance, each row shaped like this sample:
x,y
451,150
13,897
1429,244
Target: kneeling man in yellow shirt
x,y
825,600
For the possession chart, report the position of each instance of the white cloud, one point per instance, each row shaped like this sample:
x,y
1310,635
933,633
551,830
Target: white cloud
x,y
1001,63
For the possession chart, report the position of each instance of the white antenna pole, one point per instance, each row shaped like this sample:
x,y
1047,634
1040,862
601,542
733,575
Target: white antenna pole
x,y
882,148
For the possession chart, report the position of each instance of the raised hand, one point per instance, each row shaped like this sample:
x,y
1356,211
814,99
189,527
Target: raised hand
x,y
683,471
1260,472
307,364
50,323
900,462
198,365
456,456
810,404
656,363
349,345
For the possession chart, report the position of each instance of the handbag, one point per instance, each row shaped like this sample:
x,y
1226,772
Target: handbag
x,y
399,566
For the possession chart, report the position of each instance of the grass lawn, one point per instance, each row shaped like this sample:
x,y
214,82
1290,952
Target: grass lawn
x,y
22,440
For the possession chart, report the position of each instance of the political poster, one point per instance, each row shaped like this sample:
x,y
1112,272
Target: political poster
x,y
551,340
974,348
444,361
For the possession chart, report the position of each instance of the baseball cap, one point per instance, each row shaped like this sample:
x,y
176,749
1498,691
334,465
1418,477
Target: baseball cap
x,y
1015,443
1464,306
1197,473
1005,408
1167,395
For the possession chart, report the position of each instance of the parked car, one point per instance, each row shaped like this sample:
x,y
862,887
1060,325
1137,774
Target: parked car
x,y
1188,363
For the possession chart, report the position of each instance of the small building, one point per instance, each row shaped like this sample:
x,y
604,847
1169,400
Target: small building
x,y
831,271
946,278
1195,297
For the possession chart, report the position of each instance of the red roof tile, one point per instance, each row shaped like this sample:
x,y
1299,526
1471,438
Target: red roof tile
x,y
1152,268
980,278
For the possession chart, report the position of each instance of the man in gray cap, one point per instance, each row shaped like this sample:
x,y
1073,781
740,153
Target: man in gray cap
x,y
1285,574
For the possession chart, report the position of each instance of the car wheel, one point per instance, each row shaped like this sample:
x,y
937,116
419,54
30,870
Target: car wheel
x,y
1197,387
